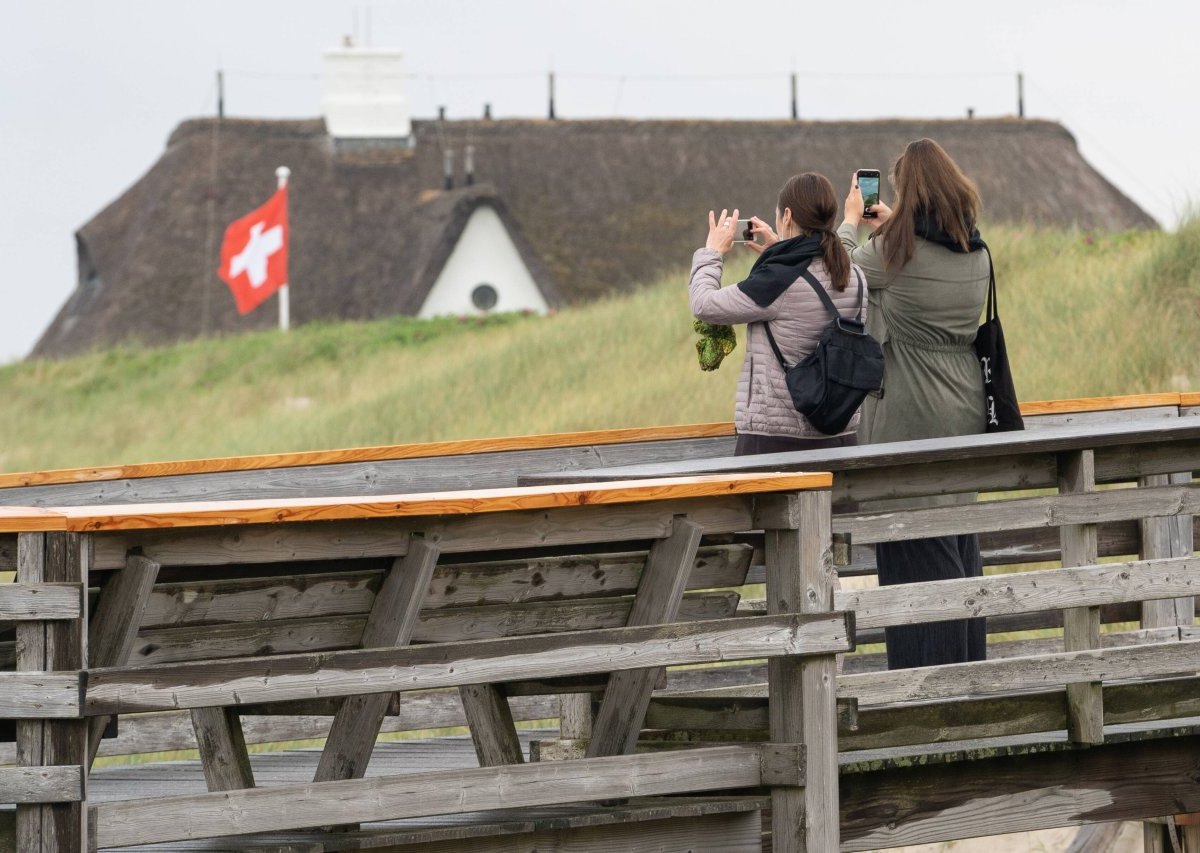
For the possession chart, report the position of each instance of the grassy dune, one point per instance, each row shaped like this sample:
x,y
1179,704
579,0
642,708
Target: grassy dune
x,y
1084,315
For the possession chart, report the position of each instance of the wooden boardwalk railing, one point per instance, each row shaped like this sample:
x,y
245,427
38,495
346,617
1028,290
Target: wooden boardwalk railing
x,y
61,700
228,609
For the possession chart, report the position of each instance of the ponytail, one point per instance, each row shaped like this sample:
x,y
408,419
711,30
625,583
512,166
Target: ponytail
x,y
837,259
814,206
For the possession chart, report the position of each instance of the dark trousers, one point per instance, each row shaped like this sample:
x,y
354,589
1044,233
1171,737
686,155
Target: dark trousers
x,y
938,558
749,444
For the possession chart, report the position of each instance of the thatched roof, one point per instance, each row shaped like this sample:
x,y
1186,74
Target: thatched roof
x,y
596,207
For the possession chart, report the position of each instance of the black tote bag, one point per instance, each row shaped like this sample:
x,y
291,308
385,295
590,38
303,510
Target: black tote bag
x,y
1000,397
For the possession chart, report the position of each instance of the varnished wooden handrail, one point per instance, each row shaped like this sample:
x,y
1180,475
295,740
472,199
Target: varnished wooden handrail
x,y
435,449
221,513
363,454
1099,404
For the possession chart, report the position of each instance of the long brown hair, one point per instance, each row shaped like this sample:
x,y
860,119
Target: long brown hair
x,y
814,206
928,184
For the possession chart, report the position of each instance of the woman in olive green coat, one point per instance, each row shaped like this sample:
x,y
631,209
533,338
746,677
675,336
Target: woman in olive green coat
x,y
927,274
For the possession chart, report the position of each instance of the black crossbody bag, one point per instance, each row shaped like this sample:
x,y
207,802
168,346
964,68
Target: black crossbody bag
x,y
828,386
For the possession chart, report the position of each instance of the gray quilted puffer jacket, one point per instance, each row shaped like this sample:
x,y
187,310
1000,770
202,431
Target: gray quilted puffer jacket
x,y
797,318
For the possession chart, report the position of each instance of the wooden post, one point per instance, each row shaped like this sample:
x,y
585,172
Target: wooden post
x,y
113,631
1163,537
392,621
660,591
48,646
802,693
575,716
491,722
1081,625
222,746
1154,838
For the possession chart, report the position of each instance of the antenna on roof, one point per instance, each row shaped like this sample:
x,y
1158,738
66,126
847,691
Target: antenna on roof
x,y
441,113
487,112
551,115
1020,95
448,168
469,165
795,99
220,93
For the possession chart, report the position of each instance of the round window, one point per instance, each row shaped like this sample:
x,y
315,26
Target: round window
x,y
484,297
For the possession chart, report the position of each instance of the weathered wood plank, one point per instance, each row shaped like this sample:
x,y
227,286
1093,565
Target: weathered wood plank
x,y
40,601
1028,673
660,592
1021,513
172,730
1084,586
352,592
416,795
1081,625
392,622
41,784
986,797
293,677
564,526
283,636
113,628
717,718
222,746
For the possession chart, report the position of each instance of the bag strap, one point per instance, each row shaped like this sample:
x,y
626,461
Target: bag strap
x,y
825,299
992,309
774,346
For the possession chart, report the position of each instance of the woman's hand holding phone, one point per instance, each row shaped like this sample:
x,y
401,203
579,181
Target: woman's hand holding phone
x,y
764,231
854,203
882,214
721,231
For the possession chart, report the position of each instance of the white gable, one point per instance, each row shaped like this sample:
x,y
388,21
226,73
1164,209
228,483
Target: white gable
x,y
484,255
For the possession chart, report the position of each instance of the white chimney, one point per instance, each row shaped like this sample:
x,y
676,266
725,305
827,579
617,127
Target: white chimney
x,y
364,94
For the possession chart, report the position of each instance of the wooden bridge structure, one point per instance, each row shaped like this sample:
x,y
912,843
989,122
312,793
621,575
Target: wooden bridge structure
x,y
645,637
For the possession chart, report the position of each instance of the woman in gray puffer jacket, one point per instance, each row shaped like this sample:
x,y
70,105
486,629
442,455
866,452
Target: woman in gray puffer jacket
x,y
776,292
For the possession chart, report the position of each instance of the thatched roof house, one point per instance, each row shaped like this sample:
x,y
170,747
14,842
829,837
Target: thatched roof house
x,y
592,206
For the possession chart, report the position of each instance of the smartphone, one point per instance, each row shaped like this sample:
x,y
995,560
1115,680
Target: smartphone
x,y
744,232
868,185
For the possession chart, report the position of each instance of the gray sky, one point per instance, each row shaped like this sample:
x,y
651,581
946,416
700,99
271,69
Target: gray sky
x,y
90,89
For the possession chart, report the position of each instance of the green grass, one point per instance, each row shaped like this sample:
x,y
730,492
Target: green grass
x,y
1084,315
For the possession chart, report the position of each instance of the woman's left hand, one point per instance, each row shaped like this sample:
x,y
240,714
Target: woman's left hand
x,y
720,231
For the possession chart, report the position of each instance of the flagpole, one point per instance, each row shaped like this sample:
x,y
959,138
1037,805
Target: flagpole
x,y
281,176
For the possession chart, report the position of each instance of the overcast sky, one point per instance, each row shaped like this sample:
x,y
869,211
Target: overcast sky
x,y
90,89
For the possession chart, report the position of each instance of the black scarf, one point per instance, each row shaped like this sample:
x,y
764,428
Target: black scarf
x,y
928,228
778,267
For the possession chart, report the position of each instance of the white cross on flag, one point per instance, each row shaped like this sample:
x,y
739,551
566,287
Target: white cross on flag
x,y
255,253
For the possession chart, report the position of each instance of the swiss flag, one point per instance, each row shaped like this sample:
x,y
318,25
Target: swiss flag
x,y
255,253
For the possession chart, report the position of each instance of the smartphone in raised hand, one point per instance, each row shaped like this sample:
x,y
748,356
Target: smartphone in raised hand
x,y
868,185
744,232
